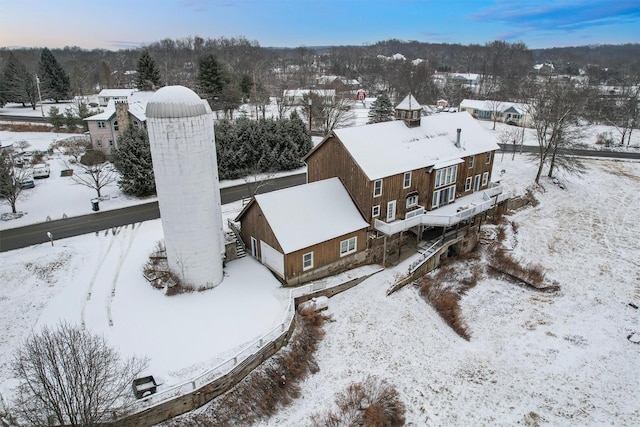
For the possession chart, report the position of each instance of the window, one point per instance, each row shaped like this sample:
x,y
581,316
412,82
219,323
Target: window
x,y
412,200
470,162
446,176
377,188
415,114
115,125
443,196
375,211
98,143
307,261
407,180
488,159
101,125
111,143
348,246
467,184
485,178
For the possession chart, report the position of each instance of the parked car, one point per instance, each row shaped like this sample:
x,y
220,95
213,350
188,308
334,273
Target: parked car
x,y
27,182
41,170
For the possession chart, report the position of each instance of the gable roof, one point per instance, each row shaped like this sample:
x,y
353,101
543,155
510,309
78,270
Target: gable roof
x,y
489,105
116,92
409,103
137,107
309,214
389,148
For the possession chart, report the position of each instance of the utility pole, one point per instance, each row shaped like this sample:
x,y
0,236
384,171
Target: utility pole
x,y
39,95
310,104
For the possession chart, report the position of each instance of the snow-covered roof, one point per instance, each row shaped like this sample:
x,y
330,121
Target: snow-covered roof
x,y
325,93
137,105
390,148
116,92
104,116
466,76
176,101
409,103
490,105
309,214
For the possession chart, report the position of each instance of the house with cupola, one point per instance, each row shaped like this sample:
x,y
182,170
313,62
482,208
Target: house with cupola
x,y
418,176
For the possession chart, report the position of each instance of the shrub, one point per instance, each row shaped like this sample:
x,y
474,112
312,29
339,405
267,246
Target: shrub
x,y
372,403
271,385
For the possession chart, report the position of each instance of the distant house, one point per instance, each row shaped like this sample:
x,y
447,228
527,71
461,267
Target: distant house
x,y
305,232
297,96
361,95
105,127
338,83
107,95
507,112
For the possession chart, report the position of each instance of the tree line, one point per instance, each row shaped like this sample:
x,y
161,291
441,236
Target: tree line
x,y
254,69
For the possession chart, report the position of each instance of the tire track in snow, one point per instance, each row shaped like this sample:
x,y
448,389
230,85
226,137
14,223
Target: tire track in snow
x,y
111,295
97,269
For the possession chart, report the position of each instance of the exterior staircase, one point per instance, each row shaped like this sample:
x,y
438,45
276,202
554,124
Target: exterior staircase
x,y
234,236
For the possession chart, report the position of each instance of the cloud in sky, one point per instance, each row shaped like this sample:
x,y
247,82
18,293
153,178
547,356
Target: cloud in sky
x,y
558,16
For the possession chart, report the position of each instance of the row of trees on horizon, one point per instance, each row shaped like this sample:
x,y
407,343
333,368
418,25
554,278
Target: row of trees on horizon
x,y
260,71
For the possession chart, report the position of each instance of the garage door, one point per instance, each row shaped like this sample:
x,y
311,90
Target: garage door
x,y
272,258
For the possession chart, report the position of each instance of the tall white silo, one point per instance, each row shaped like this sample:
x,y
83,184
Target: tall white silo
x,y
183,149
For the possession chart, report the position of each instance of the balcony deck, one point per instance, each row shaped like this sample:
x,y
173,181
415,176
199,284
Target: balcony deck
x,y
446,216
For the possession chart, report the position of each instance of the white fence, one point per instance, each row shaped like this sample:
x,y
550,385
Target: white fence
x,y
219,370
225,367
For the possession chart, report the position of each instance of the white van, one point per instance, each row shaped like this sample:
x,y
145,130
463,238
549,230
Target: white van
x,y
41,170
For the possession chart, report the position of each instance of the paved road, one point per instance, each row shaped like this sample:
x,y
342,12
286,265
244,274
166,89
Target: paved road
x,y
8,118
21,237
508,148
37,233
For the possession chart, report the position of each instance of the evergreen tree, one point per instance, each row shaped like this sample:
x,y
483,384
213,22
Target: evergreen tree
x,y
381,109
18,84
211,79
299,131
54,81
55,118
132,159
147,72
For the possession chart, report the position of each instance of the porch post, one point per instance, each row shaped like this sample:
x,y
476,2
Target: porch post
x,y
384,252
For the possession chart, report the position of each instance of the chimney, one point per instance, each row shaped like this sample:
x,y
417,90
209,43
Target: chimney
x,y
122,113
458,137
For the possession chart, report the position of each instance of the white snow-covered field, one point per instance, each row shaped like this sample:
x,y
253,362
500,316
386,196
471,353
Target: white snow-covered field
x,y
555,359
560,359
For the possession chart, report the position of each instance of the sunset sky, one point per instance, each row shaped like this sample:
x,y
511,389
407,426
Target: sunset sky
x,y
118,24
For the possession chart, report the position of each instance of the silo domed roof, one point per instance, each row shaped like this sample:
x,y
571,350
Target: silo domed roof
x,y
176,101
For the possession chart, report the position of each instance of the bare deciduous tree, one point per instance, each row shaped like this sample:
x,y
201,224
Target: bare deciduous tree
x,y
95,171
555,108
74,147
496,108
69,376
11,179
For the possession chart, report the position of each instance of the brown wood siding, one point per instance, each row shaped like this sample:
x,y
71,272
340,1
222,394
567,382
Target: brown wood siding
x,y
392,189
330,160
323,253
479,167
255,225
